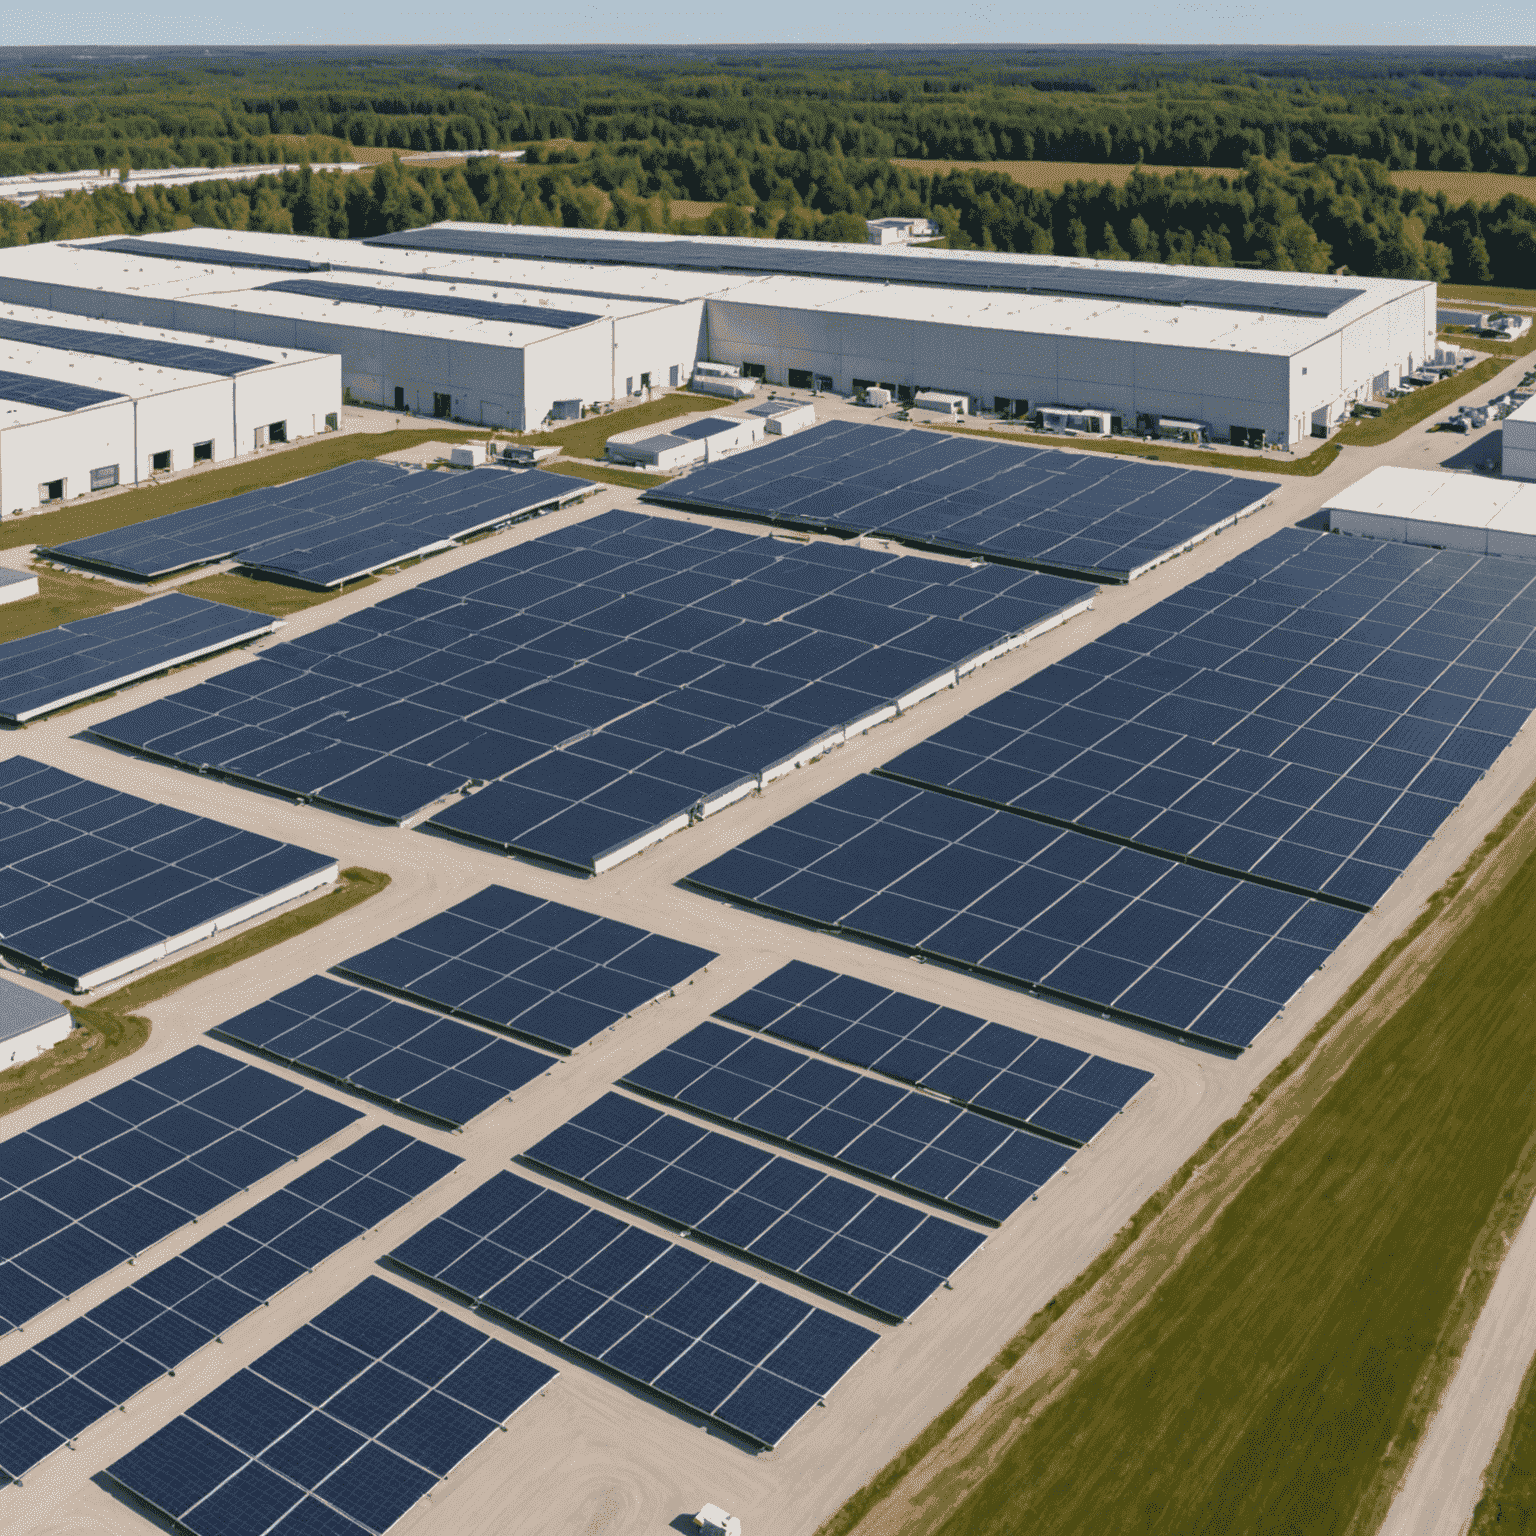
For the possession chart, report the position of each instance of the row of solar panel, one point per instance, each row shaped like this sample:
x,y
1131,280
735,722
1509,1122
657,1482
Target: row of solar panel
x,y
52,394
340,1428
85,1190
152,351
54,1390
1104,518
430,303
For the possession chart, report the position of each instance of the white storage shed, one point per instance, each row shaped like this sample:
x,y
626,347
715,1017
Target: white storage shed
x,y
1520,442
1439,508
30,1023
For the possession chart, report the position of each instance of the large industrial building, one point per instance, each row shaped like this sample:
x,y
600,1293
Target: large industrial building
x,y
90,404
513,327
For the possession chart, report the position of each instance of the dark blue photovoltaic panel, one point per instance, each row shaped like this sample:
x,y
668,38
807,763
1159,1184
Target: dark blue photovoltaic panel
x,y
1021,1077
46,671
946,269
736,1350
388,1050
205,255
327,528
378,297
339,1429
148,1328
1308,714
550,972
86,1190
608,679
1103,517
51,394
861,1246
910,1139
91,877
1120,929
154,352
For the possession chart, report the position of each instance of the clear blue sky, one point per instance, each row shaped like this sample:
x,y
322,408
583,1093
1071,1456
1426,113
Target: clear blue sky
x,y
1405,22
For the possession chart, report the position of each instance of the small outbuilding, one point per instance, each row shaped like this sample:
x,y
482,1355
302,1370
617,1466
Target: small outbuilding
x,y
30,1023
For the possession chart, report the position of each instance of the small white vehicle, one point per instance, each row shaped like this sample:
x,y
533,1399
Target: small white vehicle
x,y
713,1521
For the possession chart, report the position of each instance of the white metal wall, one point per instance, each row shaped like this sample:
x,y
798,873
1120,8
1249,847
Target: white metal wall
x,y
65,448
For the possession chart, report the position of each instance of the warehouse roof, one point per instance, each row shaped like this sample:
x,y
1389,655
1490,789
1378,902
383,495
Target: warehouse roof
x,y
1441,496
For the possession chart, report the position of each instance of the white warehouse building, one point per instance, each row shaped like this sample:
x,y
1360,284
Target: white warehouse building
x,y
86,405
513,327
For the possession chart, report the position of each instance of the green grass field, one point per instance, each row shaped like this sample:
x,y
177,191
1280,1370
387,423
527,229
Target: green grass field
x,y
1508,1502
1276,1379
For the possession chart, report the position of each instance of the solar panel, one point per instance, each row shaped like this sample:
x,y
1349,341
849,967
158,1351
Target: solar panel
x,y
205,255
328,528
85,657
340,1428
419,1061
552,973
94,882
433,303
1128,932
1088,514
116,1349
910,1140
610,681
1006,1072
154,352
737,1351
1011,274
1307,715
51,394
86,1190
831,1233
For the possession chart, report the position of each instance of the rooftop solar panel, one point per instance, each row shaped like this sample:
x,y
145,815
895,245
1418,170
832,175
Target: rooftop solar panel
x,y
51,394
1003,1071
826,1231
1131,933
612,680
97,882
153,351
340,1428
1101,281
741,1353
434,303
328,528
551,973
86,657
910,1140
205,255
116,1349
419,1061
89,1188
1088,514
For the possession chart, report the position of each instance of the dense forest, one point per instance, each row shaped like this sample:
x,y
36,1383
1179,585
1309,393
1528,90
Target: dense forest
x,y
801,146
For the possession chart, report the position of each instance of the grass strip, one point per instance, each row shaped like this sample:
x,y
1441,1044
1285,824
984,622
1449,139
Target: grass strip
x,y
634,480
587,439
62,597
265,595
1202,1163
1487,298
1508,1500
107,1031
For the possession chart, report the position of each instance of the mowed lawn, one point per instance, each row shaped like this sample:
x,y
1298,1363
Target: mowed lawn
x,y
1259,1388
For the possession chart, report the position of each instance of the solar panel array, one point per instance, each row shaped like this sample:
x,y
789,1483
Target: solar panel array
x,y
1308,714
860,1246
1087,513
615,676
906,1137
553,973
154,352
206,255
740,1352
1104,280
91,877
1149,937
388,1050
328,528
51,394
89,1188
433,303
339,1429
85,657
51,1392
1006,1072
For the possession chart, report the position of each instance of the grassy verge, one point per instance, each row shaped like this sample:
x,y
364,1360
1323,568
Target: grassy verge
x,y
1419,406
586,439
62,597
632,479
1460,336
108,1031
1508,1500
275,597
1471,294
1281,1372
79,520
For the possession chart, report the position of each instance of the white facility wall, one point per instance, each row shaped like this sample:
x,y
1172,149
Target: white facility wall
x,y
569,365
65,448
654,342
302,393
181,417
1520,448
